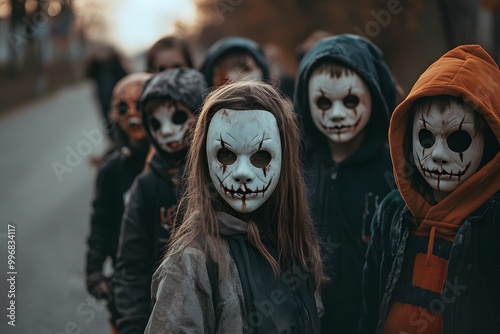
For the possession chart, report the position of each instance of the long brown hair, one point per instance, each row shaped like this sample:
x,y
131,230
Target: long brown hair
x,y
295,236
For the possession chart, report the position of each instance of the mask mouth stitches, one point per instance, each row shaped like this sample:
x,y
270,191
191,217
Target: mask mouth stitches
x,y
340,128
244,191
439,173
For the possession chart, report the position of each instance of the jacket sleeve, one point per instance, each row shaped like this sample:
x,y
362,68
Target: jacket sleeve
x,y
103,214
373,278
182,295
135,262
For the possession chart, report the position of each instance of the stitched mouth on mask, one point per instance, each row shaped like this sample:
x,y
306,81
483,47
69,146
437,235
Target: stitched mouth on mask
x,y
243,191
443,173
340,128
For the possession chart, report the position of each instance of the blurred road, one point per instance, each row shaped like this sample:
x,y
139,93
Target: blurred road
x,y
50,214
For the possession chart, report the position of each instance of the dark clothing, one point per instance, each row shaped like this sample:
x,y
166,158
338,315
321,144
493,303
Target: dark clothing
x,y
195,291
470,302
265,313
113,181
229,44
149,216
343,201
106,73
145,232
345,195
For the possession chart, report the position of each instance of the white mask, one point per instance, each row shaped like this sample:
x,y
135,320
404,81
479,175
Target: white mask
x,y
446,148
169,125
340,107
244,157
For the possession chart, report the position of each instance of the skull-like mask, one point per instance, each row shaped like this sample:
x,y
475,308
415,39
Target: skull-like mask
x,y
244,157
447,149
340,106
169,124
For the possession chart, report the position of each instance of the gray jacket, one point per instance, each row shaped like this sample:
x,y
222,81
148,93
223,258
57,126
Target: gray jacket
x,y
176,311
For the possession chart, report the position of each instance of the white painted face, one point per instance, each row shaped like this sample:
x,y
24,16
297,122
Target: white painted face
x,y
446,148
169,125
244,157
340,107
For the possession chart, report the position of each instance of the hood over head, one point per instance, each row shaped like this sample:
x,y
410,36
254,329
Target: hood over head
x,y
469,73
367,61
228,44
183,85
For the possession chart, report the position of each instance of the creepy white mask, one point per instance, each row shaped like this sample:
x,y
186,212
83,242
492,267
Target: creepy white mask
x,y
169,124
340,107
244,157
446,147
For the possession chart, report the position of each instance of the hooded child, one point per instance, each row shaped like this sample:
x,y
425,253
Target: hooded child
x,y
113,182
169,104
433,264
234,59
345,94
245,258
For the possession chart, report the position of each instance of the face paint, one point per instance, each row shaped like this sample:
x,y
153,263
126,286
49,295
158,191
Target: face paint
x,y
340,107
237,69
446,148
124,108
169,125
244,157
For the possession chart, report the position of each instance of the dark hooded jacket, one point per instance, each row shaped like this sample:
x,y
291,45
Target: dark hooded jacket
x,y
344,195
461,230
113,183
149,215
225,45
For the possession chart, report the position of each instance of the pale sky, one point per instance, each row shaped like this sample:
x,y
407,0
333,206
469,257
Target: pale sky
x,y
135,24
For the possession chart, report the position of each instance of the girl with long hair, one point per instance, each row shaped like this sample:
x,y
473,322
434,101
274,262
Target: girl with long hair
x,y
246,257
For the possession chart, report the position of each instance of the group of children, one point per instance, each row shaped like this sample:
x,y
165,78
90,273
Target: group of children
x,y
249,215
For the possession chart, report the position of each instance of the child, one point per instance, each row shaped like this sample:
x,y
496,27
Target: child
x,y
113,181
433,264
345,94
168,53
245,259
233,59
169,106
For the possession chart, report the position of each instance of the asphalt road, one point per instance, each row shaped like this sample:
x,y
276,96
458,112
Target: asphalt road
x,y
50,212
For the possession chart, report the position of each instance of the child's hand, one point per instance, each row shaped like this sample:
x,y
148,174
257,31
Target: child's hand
x,y
98,286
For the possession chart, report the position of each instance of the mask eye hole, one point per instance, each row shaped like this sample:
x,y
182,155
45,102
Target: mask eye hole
x,y
260,159
226,157
459,141
179,117
122,109
324,103
155,124
351,101
426,138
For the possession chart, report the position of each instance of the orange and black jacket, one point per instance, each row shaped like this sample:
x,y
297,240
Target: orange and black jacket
x,y
439,264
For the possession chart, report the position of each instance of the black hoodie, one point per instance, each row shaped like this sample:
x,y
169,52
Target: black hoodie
x,y
148,216
225,45
344,195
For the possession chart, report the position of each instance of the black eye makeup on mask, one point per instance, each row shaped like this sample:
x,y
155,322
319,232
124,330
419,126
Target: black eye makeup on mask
x,y
459,141
226,157
351,101
426,138
122,108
